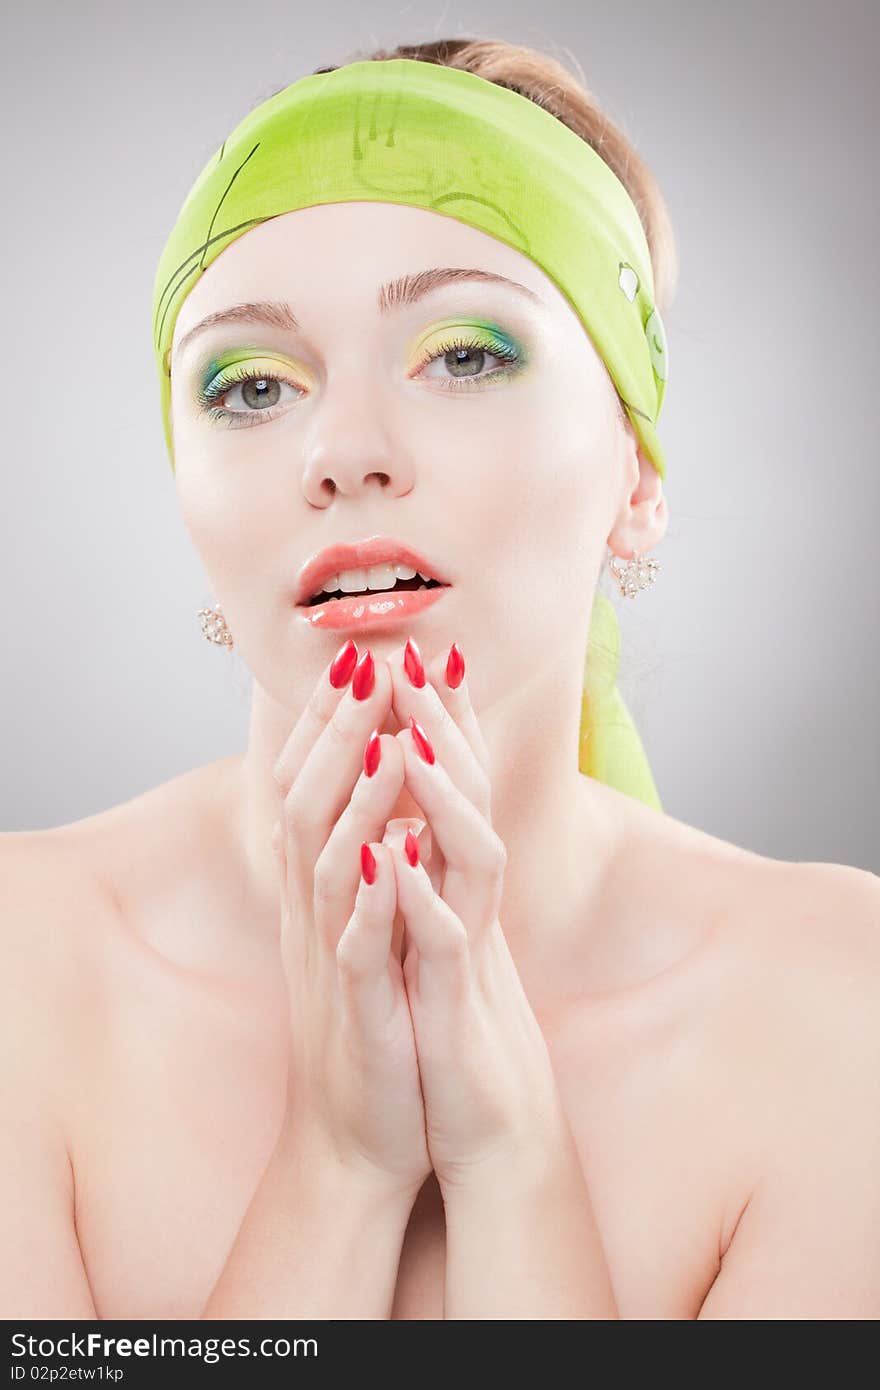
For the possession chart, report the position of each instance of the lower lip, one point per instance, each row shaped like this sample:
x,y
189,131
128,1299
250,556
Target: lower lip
x,y
365,612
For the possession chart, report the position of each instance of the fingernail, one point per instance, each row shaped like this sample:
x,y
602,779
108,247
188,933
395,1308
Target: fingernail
x,y
411,848
412,662
343,664
368,863
372,753
364,677
422,742
454,667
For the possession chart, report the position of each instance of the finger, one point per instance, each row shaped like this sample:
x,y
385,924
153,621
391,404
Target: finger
x,y
395,830
293,966
442,975
450,663
455,734
395,834
475,855
323,784
363,950
337,871
278,848
322,704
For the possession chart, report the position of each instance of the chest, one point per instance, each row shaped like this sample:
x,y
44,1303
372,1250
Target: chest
x,y
182,1105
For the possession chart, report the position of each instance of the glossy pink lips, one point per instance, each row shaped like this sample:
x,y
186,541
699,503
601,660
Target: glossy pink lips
x,y
363,612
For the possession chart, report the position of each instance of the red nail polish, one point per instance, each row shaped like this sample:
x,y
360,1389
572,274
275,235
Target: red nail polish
x,y
454,667
422,742
372,753
343,664
364,677
411,847
368,863
412,663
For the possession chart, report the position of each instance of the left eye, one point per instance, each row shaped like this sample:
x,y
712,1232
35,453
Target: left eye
x,y
465,359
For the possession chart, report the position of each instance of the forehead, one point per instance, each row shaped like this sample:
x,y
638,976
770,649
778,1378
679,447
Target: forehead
x,y
346,249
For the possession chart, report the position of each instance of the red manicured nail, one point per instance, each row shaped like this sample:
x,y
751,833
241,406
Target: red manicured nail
x,y
412,663
372,753
422,742
368,863
454,667
411,847
343,664
364,677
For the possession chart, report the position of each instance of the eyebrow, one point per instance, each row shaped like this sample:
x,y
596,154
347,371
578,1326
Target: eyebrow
x,y
395,294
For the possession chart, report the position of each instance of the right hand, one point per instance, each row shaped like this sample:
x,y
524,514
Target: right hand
x,y
354,1079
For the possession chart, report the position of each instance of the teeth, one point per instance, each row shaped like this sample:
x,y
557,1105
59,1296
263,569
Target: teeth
x,y
376,577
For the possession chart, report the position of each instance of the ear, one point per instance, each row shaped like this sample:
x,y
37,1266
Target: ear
x,y
643,514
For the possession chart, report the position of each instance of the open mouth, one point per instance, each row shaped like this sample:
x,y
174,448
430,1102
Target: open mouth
x,y
415,583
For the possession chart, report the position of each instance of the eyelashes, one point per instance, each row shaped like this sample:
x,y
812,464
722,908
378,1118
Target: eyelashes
x,y
465,353
229,380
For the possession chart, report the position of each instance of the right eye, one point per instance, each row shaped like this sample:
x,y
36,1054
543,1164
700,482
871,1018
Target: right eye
x,y
260,390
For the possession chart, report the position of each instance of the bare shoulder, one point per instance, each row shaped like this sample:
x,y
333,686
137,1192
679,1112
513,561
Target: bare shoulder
x,y
752,949
816,932
832,909
150,871
794,1048
55,883
813,927
52,910
788,976
812,913
46,888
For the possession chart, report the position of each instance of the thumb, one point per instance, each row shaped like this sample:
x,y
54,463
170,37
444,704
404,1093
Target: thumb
x,y
395,834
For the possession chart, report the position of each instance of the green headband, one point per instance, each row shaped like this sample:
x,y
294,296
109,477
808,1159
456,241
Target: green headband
x,y
440,138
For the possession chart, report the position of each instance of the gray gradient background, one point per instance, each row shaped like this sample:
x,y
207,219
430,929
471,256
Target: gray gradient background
x,y
752,668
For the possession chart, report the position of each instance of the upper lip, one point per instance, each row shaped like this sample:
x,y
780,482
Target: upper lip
x,y
376,550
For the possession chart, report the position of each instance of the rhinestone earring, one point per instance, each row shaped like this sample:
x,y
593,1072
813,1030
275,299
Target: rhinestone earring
x,y
636,574
214,626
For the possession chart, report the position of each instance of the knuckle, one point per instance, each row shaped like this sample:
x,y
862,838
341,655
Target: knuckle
x,y
291,807
316,709
499,849
494,850
337,733
453,942
323,881
350,961
442,717
483,788
277,838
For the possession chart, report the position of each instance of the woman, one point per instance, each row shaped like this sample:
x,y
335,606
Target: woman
x,y
273,1053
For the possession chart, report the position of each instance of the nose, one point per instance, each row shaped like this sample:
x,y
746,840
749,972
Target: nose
x,y
353,446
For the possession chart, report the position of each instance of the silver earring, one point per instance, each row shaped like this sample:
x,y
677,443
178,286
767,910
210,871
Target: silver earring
x,y
214,626
637,574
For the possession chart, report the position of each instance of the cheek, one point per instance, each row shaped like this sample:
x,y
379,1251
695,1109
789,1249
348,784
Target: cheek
x,y
527,489
233,528
545,459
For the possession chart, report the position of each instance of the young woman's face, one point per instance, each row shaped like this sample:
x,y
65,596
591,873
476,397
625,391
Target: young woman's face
x,y
496,460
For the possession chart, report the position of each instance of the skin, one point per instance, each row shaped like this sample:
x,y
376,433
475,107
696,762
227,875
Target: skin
x,y
491,460
708,1012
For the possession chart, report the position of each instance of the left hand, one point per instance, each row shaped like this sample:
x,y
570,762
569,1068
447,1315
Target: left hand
x,y
487,1080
